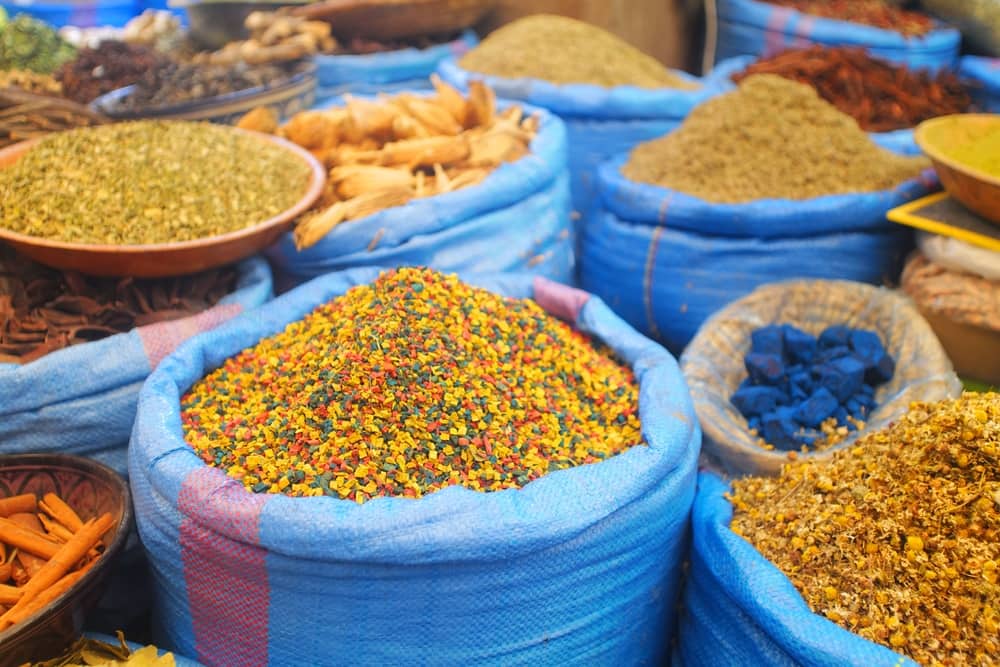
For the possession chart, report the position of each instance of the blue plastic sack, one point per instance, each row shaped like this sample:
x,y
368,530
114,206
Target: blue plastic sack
x,y
87,14
82,399
600,122
739,609
515,220
665,261
753,28
391,71
984,73
578,567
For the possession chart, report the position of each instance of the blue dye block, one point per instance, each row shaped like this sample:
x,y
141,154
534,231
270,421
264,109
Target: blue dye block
x,y
768,340
803,380
867,345
835,336
881,371
780,428
866,401
765,368
755,401
867,390
754,423
798,393
817,408
836,352
843,377
747,383
800,346
841,415
854,407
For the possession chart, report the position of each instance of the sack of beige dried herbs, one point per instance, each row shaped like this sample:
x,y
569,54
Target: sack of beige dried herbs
x,y
765,183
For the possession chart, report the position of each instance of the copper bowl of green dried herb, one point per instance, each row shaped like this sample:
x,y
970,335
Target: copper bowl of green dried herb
x,y
152,199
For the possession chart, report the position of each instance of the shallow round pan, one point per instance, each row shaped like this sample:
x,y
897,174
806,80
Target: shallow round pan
x,y
977,190
161,260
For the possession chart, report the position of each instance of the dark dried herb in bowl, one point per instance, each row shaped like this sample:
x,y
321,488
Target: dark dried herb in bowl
x,y
110,66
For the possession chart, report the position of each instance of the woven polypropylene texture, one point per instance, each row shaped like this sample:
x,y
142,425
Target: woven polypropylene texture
x,y
665,261
390,71
753,28
579,567
739,609
517,219
82,399
713,362
984,73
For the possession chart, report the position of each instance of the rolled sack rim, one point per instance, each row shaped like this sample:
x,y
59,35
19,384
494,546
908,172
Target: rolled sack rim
x,y
454,524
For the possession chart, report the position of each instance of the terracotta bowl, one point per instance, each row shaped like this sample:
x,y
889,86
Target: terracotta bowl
x,y
977,190
91,489
165,259
395,19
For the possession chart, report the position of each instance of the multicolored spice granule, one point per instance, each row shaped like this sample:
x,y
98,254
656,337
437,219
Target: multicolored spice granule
x,y
409,385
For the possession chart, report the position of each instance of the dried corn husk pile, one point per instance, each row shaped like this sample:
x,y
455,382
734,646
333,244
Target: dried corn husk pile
x,y
274,37
384,153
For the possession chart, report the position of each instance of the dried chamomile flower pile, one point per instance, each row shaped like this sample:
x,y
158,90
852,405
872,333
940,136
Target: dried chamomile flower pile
x,y
897,538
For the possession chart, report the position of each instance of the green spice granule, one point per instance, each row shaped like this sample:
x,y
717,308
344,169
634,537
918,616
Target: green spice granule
x,y
409,385
148,182
897,538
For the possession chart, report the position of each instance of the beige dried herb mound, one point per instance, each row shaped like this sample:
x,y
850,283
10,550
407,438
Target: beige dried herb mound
x,y
772,138
148,182
897,538
562,50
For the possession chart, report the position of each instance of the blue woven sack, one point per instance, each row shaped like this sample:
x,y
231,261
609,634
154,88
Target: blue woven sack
x,y
984,74
86,14
753,28
517,219
665,261
578,567
82,399
739,609
600,122
391,71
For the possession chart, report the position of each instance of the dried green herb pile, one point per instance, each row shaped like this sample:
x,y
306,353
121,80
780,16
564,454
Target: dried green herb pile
x,y
29,44
408,385
148,182
770,139
563,50
897,538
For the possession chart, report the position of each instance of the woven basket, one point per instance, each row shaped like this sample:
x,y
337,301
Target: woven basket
x,y
396,19
713,362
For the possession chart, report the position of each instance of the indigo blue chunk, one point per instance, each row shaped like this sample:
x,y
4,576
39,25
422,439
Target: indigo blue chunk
x,y
843,377
780,428
755,401
882,371
768,340
800,346
867,345
817,408
765,368
835,352
835,336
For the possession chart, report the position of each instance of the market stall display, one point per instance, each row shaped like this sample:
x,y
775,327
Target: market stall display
x,y
877,338
109,66
542,551
765,183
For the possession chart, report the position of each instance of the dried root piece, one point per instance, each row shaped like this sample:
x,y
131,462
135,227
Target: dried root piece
x,y
357,179
261,119
482,104
314,227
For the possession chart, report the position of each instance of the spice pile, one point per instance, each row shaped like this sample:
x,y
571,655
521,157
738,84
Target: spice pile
x,y
29,44
25,115
45,549
112,65
159,30
809,392
274,37
31,82
879,95
43,310
384,153
983,153
961,297
86,652
875,13
770,139
409,385
563,50
362,46
897,538
148,182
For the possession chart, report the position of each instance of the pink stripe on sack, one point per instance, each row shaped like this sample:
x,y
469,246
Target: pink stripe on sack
x,y
774,39
161,339
226,579
560,300
803,30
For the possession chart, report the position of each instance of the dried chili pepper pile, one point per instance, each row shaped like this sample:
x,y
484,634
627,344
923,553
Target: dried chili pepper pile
x,y
880,96
875,13
411,384
43,310
897,538
110,66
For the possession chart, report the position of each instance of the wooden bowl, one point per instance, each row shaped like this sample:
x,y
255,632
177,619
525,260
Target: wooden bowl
x,y
92,489
395,19
159,260
974,351
977,190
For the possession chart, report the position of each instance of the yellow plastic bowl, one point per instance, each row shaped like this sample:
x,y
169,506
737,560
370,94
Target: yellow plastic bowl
x,y
977,190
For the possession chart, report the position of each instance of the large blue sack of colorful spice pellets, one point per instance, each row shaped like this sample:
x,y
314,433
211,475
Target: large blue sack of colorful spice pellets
x,y
739,609
601,122
713,364
899,141
388,71
755,28
983,75
579,567
517,219
665,261
82,399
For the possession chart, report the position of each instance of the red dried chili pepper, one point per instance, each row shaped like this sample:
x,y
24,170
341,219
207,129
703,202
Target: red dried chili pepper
x,y
875,13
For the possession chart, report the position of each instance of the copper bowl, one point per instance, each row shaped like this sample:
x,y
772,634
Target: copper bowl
x,y
395,19
92,489
159,260
975,189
